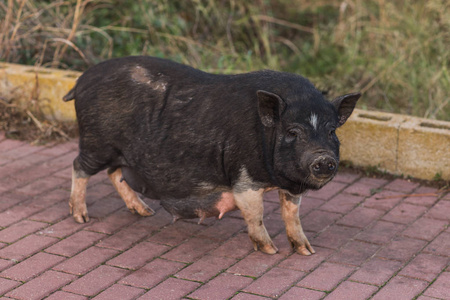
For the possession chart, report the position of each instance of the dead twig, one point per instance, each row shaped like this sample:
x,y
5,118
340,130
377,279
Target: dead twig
x,y
6,103
284,23
69,43
35,121
437,194
60,132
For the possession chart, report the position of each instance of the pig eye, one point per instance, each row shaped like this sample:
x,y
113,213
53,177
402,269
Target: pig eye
x,y
332,133
294,133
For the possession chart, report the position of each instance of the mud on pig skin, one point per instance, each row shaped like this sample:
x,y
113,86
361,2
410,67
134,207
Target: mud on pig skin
x,y
205,144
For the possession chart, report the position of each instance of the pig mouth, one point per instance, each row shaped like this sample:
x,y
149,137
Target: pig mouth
x,y
310,182
313,182
317,183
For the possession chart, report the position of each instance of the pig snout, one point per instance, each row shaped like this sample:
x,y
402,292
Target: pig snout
x,y
323,167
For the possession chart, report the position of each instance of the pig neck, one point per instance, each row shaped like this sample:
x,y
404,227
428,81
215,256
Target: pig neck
x,y
268,148
269,137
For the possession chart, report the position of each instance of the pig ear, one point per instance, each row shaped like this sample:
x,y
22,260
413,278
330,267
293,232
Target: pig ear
x,y
270,107
345,105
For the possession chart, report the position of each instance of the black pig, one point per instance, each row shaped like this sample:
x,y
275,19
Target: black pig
x,y
205,144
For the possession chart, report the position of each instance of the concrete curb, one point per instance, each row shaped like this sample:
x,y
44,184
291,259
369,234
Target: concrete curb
x,y
41,87
397,144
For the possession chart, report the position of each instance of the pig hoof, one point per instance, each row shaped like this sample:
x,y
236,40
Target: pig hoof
x,y
144,211
268,248
81,219
147,211
305,249
80,216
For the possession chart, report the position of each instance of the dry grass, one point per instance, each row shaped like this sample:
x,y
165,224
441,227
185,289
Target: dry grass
x,y
26,123
396,52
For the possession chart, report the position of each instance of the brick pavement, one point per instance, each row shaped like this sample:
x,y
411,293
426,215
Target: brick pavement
x,y
372,241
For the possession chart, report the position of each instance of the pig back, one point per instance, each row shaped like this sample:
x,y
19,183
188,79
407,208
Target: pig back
x,y
175,127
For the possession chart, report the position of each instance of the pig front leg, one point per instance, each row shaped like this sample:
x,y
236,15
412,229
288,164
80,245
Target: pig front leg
x,y
131,199
250,203
77,202
290,213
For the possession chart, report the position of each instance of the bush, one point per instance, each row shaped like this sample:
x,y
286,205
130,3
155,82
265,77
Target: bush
x,y
396,52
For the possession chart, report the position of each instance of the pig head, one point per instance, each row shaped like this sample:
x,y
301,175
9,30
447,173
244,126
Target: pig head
x,y
205,144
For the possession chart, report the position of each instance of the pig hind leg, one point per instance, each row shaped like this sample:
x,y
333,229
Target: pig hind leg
x,y
86,164
77,202
131,199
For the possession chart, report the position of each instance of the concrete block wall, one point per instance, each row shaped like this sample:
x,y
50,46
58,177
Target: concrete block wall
x,y
41,87
424,148
398,144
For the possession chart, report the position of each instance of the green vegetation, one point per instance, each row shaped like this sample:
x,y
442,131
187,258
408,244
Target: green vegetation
x,y
396,52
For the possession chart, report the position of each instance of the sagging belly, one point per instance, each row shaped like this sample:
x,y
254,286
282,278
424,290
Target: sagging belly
x,y
203,205
212,205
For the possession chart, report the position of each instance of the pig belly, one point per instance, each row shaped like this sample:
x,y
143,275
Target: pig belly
x,y
136,182
212,205
215,204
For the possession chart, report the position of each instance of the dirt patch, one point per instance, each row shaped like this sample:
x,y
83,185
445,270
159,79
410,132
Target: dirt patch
x,y
22,124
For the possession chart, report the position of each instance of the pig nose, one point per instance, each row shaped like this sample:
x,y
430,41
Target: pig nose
x,y
324,166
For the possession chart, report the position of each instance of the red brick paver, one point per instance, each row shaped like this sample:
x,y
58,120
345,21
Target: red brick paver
x,y
326,277
306,263
138,256
31,267
425,267
425,229
440,288
205,268
66,296
297,293
96,281
335,236
75,243
401,288
152,273
274,282
402,248
440,245
7,285
85,261
376,271
171,288
246,296
352,291
222,287
119,291
255,264
19,230
374,239
26,247
41,286
354,253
